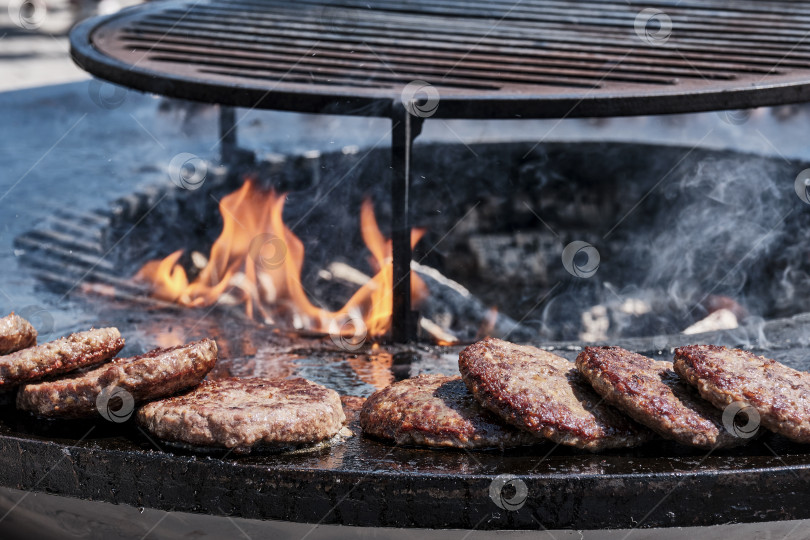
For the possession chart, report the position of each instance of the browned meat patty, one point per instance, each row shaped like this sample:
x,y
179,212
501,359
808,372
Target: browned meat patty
x,y
156,374
16,333
651,393
435,410
544,394
779,394
245,413
66,354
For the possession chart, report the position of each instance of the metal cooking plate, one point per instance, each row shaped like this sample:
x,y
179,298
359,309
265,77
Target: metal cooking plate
x,y
363,482
502,59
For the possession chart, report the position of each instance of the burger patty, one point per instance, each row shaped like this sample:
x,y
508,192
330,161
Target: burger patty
x,y
66,354
778,393
435,410
544,394
156,374
16,333
651,393
244,413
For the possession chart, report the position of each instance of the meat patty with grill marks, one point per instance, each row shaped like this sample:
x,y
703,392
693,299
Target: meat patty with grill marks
x,y
63,355
242,414
437,410
16,333
544,394
779,394
156,374
651,393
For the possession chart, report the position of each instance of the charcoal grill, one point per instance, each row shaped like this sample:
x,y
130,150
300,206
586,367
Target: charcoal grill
x,y
550,59
538,59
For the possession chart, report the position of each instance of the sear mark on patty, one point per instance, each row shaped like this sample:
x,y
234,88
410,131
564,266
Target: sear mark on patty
x,y
437,410
156,374
544,394
63,355
779,394
651,393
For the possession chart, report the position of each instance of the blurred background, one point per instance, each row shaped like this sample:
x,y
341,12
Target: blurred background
x,y
32,57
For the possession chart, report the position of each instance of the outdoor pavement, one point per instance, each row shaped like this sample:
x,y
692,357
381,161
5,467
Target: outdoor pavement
x,y
34,48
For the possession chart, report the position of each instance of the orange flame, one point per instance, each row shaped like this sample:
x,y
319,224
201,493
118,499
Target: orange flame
x,y
257,261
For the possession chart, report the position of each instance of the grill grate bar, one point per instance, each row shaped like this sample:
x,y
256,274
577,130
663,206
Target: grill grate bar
x,y
683,54
74,261
620,21
702,66
698,66
338,65
693,7
56,252
201,41
623,35
204,40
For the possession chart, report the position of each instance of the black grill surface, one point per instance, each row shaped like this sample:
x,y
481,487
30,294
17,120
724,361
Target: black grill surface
x,y
499,59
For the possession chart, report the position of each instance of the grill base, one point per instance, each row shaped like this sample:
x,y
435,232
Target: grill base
x,y
50,517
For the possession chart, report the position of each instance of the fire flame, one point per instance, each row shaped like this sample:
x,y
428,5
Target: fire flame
x,y
257,261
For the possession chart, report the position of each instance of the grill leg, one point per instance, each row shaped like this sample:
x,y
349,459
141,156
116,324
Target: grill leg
x,y
405,128
230,152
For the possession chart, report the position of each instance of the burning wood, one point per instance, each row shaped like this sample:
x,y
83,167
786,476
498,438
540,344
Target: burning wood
x,y
722,319
442,337
347,274
257,261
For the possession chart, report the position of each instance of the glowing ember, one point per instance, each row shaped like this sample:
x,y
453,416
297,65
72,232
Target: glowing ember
x,y
257,261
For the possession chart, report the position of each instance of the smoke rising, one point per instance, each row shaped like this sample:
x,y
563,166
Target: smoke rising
x,y
721,233
680,233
